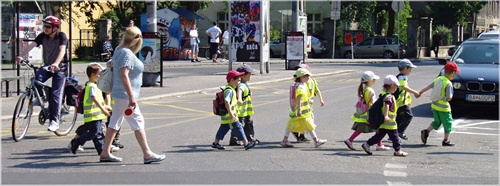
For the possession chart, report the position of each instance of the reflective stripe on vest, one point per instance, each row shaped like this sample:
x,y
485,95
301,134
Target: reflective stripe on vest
x,y
226,119
246,108
91,112
442,105
304,104
391,125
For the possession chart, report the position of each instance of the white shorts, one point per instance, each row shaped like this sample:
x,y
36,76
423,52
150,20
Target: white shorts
x,y
136,120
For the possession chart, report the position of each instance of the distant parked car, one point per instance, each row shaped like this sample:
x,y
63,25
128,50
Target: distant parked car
x,y
477,83
384,47
277,47
492,34
452,49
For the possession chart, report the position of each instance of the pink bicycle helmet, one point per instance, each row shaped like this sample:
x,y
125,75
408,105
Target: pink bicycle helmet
x,y
53,20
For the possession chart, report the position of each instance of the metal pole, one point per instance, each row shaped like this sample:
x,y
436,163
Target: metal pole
x,y
70,39
399,4
333,40
18,47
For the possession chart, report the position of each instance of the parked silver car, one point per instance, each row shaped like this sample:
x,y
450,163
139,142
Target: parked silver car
x,y
277,47
384,47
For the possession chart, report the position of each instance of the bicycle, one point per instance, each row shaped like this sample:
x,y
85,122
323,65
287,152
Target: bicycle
x,y
24,108
219,53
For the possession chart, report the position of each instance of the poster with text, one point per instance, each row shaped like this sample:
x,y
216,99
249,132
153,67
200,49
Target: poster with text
x,y
295,46
150,52
245,30
30,25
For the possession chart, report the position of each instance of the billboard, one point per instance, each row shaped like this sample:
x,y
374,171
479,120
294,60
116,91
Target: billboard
x,y
245,31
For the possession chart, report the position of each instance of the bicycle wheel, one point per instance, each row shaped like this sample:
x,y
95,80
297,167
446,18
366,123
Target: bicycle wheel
x,y
207,54
22,116
67,119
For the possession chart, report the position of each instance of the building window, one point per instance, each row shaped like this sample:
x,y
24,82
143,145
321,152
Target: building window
x,y
223,20
314,23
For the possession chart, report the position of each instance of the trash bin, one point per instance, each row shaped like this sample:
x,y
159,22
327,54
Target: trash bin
x,y
292,64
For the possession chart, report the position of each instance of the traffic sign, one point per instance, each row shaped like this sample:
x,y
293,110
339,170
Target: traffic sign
x,y
335,12
398,5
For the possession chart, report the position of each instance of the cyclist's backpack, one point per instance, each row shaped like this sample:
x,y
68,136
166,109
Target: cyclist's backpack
x,y
293,101
375,115
219,107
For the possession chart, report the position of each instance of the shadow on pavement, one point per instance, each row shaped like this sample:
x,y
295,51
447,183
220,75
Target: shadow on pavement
x,y
463,153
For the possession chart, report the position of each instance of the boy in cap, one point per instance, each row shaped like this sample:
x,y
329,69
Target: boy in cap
x,y
245,107
313,90
230,120
389,126
403,97
442,93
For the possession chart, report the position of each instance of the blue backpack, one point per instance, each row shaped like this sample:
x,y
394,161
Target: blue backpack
x,y
375,115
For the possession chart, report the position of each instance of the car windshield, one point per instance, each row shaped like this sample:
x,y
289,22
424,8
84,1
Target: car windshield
x,y
489,36
477,53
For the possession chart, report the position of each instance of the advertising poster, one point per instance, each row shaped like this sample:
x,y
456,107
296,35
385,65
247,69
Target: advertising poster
x,y
245,30
169,27
30,25
295,46
150,52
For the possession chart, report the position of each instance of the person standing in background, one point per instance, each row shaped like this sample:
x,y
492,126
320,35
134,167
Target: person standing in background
x,y
194,41
436,42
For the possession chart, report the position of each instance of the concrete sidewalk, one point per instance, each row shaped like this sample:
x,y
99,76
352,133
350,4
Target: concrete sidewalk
x,y
193,84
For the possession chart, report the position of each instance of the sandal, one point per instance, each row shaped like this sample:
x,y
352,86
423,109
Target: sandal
x,y
155,158
110,159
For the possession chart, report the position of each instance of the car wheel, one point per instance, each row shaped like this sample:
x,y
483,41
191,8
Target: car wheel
x,y
348,55
388,55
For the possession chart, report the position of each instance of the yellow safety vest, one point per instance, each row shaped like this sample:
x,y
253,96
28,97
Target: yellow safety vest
x,y
91,112
442,105
391,125
305,107
405,97
246,108
362,117
226,119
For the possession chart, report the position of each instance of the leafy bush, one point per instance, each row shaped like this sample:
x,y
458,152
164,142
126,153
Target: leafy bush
x,y
83,52
446,34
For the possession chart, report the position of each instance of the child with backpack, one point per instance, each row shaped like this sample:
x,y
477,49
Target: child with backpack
x,y
94,111
230,119
366,96
442,93
300,117
389,125
245,107
313,90
403,97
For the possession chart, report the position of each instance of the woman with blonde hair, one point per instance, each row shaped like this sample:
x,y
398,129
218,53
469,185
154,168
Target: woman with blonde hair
x,y
127,80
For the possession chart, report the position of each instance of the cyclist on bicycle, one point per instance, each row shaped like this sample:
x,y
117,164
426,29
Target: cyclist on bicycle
x,y
55,56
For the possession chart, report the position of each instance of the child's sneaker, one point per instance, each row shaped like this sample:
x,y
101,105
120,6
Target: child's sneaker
x,y
319,142
114,148
249,145
349,144
424,134
217,146
286,144
383,148
80,148
448,143
366,147
400,153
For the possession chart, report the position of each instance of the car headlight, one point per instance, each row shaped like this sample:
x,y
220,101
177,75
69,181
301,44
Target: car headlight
x,y
457,85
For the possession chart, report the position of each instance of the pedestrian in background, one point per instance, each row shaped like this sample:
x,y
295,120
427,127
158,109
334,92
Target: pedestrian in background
x,y
300,116
389,127
436,42
127,73
214,34
441,94
194,41
106,46
366,94
403,98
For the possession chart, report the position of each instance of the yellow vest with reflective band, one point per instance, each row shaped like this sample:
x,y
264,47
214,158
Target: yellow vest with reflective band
x,y
391,125
226,119
312,87
305,107
91,112
442,105
361,118
405,97
246,108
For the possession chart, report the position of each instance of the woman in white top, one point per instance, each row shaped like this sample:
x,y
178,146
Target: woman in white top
x,y
193,33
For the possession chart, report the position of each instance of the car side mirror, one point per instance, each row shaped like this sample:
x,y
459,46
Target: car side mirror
x,y
442,61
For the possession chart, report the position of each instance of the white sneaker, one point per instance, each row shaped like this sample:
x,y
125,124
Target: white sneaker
x,y
114,148
286,144
80,148
53,126
383,148
319,142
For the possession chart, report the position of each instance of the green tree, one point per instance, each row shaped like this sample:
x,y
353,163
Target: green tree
x,y
449,13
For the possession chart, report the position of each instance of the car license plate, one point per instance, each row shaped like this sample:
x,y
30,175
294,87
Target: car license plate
x,y
480,98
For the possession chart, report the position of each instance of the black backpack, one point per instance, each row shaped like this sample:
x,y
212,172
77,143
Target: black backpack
x,y
399,90
375,115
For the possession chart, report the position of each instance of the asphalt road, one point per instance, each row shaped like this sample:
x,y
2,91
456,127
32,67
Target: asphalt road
x,y
183,128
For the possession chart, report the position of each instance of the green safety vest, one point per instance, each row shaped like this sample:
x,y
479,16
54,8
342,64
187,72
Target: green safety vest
x,y
226,119
442,105
246,108
362,117
391,125
91,112
305,107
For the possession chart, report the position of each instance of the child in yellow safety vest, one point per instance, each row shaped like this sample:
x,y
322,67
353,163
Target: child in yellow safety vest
x,y
312,90
300,117
94,111
366,94
245,107
230,120
441,110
